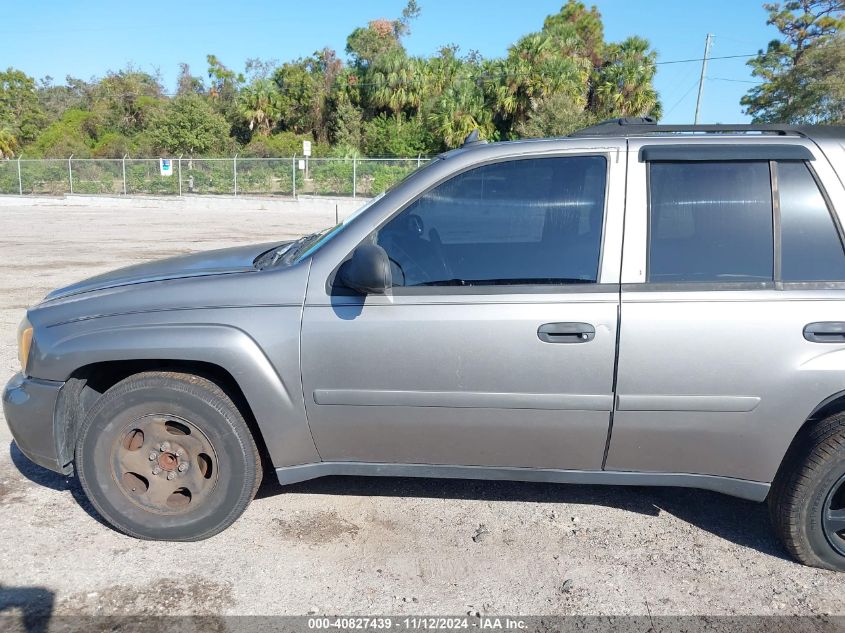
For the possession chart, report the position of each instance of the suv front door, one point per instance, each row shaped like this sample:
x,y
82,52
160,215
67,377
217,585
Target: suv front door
x,y
496,345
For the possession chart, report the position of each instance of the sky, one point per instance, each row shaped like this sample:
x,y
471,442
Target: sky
x,y
86,38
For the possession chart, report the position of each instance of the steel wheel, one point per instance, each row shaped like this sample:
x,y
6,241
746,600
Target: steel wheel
x,y
164,464
833,516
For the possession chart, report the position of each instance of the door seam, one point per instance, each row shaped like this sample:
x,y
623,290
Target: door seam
x,y
614,382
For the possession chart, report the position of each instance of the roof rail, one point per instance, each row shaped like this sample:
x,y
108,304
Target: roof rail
x,y
638,126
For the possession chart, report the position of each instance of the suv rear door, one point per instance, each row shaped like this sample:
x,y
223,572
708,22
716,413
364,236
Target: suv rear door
x,y
731,251
497,345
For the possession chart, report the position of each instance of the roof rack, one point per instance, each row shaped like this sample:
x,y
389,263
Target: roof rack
x,y
639,126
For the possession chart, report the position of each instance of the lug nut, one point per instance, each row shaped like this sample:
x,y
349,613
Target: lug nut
x,y
183,467
164,446
153,456
156,469
179,452
171,475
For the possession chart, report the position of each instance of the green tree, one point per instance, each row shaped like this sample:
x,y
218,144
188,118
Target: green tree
x,y
21,114
557,115
55,99
189,125
390,136
72,134
187,83
622,85
568,63
223,89
380,37
397,83
346,124
260,106
125,100
798,84
8,143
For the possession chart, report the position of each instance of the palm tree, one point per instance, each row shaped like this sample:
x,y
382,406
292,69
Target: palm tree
x,y
259,105
460,110
399,82
533,71
623,84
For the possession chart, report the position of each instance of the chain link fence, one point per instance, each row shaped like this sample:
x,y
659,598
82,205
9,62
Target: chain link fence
x,y
295,176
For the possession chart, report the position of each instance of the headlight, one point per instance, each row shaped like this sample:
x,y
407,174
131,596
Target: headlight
x,y
24,342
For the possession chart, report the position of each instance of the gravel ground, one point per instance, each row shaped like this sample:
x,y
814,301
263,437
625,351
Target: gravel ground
x,y
362,545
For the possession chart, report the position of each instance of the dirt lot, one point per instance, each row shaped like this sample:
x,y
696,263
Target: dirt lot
x,y
360,545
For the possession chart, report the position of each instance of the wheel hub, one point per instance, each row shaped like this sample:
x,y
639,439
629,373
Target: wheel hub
x,y
164,464
168,461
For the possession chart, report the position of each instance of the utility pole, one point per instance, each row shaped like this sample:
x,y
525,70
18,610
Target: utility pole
x,y
703,74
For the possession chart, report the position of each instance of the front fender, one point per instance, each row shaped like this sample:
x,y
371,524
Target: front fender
x,y
274,393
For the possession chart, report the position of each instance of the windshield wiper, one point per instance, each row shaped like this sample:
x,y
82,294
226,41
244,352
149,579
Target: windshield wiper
x,y
294,248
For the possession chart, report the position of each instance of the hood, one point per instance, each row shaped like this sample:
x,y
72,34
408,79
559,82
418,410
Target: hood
x,y
222,261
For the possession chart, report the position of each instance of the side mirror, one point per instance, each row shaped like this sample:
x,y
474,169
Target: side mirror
x,y
368,272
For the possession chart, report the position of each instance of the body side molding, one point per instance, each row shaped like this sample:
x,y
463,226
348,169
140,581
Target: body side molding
x,y
463,399
686,403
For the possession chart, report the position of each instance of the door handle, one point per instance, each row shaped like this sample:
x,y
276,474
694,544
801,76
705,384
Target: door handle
x,y
825,332
566,332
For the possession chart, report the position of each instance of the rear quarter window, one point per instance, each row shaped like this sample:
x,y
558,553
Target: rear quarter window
x,y
811,247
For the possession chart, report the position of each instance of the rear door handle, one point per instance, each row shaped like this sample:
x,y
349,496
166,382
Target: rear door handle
x,y
825,332
566,332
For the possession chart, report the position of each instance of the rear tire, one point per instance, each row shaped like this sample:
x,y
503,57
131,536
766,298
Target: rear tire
x,y
167,456
807,500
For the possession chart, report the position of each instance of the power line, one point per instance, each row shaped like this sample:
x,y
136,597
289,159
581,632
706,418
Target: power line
x,y
741,81
701,59
678,102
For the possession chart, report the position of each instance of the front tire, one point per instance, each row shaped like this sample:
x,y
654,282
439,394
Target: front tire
x,y
807,500
167,456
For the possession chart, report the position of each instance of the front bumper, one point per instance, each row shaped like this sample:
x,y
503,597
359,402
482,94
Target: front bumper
x,y
29,405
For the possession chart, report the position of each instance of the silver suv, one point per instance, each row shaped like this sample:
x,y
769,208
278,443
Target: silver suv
x,y
634,304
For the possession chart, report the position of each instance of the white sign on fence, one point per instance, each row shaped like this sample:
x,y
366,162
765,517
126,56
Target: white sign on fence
x,y
301,165
306,148
165,166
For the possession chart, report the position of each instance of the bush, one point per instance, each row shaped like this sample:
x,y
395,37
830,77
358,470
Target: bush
x,y
282,145
332,177
69,135
388,136
264,176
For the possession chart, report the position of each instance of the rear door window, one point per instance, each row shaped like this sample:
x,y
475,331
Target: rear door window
x,y
710,222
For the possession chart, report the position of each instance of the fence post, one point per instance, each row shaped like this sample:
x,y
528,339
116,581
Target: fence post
x,y
124,174
293,173
354,176
236,174
180,175
70,173
418,160
20,180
